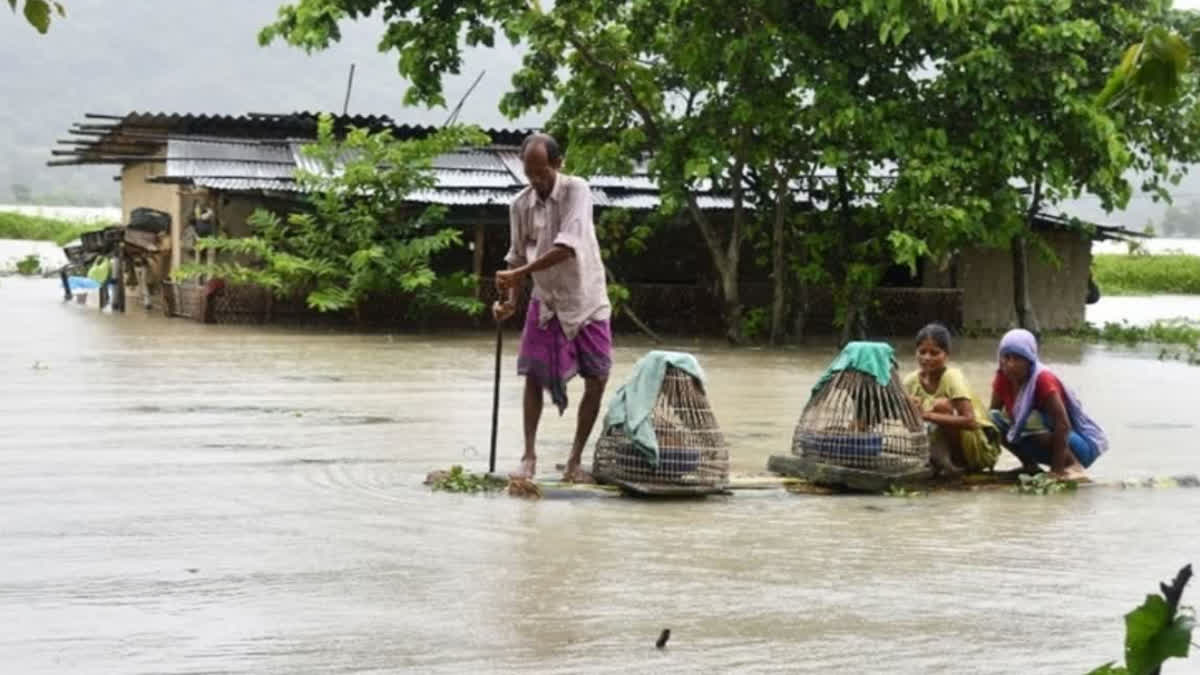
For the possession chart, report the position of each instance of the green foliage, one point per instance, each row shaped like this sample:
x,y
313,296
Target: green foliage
x,y
30,265
1043,484
617,232
1152,69
969,106
902,492
359,235
1117,274
756,323
459,480
1152,635
1184,332
39,12
1157,630
21,226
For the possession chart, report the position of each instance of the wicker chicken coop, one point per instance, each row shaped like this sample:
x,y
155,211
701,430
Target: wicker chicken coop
x,y
691,452
858,427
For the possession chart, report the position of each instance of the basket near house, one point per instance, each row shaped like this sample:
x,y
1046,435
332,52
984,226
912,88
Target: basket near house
x,y
858,428
660,435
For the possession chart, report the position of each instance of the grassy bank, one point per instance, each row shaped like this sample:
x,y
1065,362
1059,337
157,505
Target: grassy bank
x,y
1177,332
1147,274
1178,339
20,226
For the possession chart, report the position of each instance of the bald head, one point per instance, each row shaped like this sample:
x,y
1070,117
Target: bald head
x,y
544,141
541,159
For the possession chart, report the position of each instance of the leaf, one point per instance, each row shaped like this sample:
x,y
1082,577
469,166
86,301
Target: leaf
x,y
1109,669
841,18
940,11
1151,636
37,12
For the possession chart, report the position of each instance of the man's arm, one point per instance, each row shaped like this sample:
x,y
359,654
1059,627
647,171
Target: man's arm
x,y
576,220
511,278
515,258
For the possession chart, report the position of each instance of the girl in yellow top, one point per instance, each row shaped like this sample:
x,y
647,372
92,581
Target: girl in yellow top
x,y
960,434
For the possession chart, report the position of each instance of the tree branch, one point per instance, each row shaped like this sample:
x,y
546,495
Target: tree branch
x,y
652,131
632,315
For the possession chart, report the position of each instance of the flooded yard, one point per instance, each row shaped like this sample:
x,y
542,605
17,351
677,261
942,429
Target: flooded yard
x,y
180,498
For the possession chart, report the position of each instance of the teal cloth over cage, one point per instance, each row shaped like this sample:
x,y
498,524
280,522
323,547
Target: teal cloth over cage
x,y
632,406
876,359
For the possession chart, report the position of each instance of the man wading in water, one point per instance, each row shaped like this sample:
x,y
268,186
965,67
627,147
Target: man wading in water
x,y
566,325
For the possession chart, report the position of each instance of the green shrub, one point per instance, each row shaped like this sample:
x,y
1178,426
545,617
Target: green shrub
x,y
29,265
1146,274
21,226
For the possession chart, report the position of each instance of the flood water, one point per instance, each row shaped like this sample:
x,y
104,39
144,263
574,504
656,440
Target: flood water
x,y
180,498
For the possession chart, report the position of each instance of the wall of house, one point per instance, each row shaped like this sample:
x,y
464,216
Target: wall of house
x,y
136,192
234,209
1057,291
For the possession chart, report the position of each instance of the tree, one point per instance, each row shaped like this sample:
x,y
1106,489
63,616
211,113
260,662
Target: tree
x,y
1012,125
39,12
360,235
633,81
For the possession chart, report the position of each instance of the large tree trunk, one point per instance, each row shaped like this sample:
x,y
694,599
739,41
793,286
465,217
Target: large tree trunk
x,y
726,256
778,271
800,322
1020,262
853,317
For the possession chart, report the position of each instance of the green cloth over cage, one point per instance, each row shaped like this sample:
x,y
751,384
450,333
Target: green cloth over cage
x,y
873,358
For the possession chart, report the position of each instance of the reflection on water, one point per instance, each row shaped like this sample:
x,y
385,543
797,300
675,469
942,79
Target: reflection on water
x,y
12,250
186,498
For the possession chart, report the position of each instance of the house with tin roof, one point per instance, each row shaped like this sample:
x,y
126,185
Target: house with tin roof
x,y
208,173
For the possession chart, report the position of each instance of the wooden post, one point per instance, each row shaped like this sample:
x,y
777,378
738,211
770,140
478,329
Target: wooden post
x,y
477,267
176,231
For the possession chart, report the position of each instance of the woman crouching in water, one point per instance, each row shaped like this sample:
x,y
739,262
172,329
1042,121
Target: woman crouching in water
x,y
960,434
1040,419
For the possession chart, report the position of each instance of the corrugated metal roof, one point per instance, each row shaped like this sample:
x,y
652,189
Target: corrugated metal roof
x,y
478,176
479,160
463,197
227,158
638,181
624,182
645,202
447,178
246,184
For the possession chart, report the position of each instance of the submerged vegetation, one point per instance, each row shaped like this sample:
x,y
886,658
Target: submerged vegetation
x,y
1180,332
458,479
1118,274
29,265
21,226
1043,484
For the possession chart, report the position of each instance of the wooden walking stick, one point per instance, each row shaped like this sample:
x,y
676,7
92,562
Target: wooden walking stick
x,y
496,397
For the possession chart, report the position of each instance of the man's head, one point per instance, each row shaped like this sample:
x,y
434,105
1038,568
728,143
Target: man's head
x,y
542,159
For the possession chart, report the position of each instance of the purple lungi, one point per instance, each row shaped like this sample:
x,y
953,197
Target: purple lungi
x,y
551,359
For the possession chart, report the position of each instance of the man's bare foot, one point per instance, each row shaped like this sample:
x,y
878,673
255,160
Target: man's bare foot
x,y
573,473
526,471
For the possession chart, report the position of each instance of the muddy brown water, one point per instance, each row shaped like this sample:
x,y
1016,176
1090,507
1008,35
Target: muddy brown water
x,y
179,498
